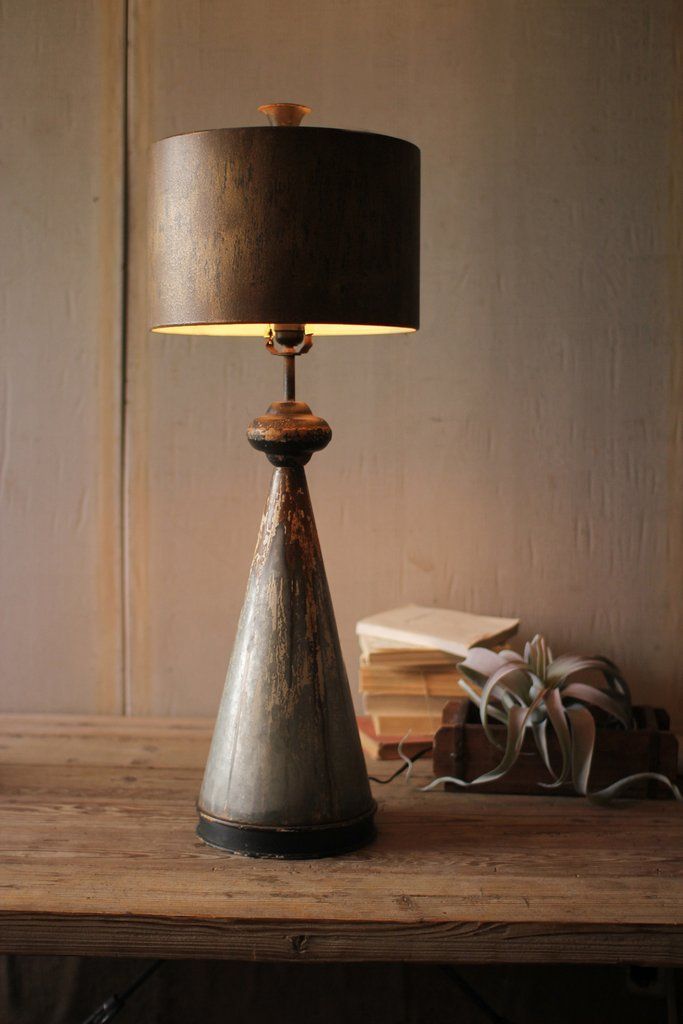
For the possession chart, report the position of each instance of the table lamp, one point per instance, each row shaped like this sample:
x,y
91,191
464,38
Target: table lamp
x,y
287,233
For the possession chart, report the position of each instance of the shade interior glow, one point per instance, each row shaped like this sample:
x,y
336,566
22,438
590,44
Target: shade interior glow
x,y
260,330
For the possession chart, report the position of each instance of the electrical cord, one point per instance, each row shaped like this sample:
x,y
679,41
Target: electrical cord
x,y
404,767
114,1003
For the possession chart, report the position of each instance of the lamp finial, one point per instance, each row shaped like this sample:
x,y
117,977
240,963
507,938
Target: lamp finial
x,y
284,115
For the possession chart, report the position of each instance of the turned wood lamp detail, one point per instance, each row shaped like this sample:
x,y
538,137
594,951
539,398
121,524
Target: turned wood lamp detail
x,y
287,233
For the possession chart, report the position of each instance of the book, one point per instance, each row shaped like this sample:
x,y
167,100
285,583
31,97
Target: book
x,y
396,714
409,657
405,705
410,683
400,725
380,651
439,629
409,671
385,748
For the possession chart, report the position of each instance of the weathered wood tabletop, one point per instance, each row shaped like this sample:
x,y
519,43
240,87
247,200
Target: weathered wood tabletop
x,y
98,857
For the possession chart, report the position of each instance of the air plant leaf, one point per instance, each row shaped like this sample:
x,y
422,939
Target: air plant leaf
x,y
614,678
569,664
474,693
603,796
540,732
531,692
519,720
583,742
538,655
508,655
611,703
516,681
481,663
558,719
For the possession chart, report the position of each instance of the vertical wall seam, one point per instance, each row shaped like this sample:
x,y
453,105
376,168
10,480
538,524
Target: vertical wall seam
x,y
674,552
136,551
123,368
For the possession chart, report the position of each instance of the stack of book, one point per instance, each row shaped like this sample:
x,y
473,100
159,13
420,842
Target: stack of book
x,y
409,672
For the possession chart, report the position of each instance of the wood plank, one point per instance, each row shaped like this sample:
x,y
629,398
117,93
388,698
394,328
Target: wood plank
x,y
129,742
300,942
102,858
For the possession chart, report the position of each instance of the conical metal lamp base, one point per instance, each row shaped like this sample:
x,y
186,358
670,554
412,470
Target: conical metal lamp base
x,y
286,775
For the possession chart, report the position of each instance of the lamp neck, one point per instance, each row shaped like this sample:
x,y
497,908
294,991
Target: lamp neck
x,y
289,378
289,433
289,341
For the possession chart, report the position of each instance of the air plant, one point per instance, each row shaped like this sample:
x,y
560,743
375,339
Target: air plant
x,y
540,693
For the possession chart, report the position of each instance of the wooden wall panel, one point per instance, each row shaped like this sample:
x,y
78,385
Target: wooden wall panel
x,y
61,122
522,453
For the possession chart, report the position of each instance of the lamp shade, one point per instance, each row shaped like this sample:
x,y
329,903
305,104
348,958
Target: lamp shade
x,y
251,227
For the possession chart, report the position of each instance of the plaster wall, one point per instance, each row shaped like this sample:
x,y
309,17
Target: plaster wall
x,y
520,455
61,257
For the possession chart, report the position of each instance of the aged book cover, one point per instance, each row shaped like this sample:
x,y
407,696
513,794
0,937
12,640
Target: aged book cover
x,y
442,629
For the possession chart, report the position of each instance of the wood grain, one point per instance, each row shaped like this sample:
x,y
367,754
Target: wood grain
x,y
101,858
301,942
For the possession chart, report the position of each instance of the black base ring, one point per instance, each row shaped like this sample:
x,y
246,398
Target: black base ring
x,y
288,844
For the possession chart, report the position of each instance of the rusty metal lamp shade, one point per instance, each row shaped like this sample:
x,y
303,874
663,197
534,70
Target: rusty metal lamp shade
x,y
288,233
258,226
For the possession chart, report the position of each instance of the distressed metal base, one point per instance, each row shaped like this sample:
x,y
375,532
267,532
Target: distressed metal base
x,y
289,843
285,776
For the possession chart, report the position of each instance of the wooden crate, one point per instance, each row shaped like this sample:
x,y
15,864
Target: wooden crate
x,y
462,749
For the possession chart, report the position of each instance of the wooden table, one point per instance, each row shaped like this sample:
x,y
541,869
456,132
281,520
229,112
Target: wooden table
x,y
98,857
